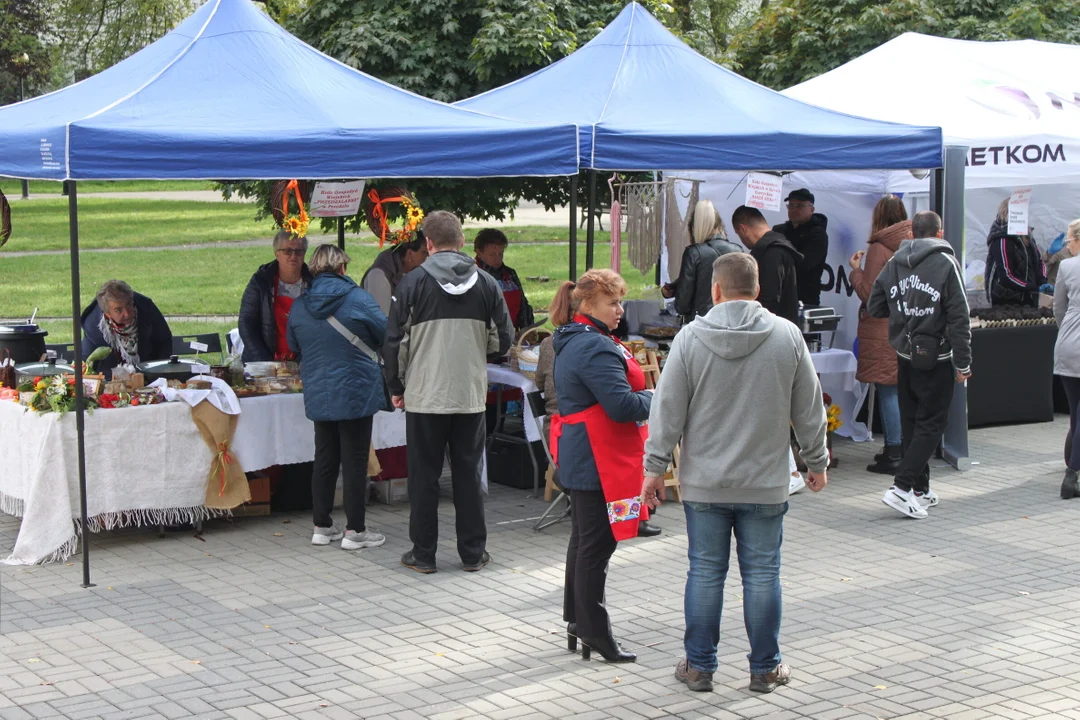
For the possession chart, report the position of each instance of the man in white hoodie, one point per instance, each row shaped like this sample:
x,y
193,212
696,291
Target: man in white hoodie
x,y
735,381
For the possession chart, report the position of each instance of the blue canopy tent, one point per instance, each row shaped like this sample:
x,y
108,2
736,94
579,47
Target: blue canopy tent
x,y
645,101
229,94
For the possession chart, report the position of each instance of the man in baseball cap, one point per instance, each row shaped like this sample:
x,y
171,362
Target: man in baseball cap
x,y
806,230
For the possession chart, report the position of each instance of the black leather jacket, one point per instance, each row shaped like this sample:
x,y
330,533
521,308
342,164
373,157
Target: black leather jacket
x,y
257,327
693,289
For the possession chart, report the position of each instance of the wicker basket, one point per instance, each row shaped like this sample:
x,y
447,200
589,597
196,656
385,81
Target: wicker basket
x,y
528,369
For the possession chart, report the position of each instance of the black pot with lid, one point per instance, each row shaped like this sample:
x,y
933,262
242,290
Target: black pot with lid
x,y
26,341
47,368
175,368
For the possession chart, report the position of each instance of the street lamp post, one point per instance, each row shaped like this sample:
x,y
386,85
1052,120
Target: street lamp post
x,y
22,62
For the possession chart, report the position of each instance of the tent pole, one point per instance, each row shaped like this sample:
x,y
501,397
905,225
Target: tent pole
x,y
590,237
80,402
573,227
341,232
954,446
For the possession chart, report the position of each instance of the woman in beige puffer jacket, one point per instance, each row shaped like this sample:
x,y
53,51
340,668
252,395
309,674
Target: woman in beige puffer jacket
x,y
877,359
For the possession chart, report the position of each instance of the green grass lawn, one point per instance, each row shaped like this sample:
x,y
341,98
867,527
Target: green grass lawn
x,y
210,280
13,188
122,223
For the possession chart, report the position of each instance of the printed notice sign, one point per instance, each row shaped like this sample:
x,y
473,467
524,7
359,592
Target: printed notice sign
x,y
764,191
1019,202
336,199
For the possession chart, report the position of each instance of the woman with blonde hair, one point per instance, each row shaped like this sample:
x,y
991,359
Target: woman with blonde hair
x,y
889,226
1014,266
338,329
598,441
1067,353
692,290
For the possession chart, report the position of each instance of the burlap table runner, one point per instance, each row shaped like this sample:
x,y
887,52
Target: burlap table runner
x,y
227,486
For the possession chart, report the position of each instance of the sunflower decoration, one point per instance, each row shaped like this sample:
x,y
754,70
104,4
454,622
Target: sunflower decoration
x,y
379,210
296,224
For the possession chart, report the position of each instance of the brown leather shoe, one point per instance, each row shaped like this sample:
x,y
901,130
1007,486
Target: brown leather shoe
x,y
780,675
696,680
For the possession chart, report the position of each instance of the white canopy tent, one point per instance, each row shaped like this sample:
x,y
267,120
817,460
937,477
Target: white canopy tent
x,y
1015,105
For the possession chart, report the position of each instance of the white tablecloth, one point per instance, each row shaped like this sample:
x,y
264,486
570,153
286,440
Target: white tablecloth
x,y
837,368
506,376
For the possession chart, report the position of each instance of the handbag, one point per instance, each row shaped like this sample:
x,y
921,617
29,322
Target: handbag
x,y
367,351
924,351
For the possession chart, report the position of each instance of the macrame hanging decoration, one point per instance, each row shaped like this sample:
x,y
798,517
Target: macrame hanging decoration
x,y
676,230
615,216
643,204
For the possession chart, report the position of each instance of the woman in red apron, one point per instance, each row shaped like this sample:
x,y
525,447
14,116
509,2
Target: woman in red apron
x,y
598,441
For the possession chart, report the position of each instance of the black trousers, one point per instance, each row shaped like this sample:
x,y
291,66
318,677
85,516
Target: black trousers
x,y
428,437
1072,440
925,396
591,546
344,444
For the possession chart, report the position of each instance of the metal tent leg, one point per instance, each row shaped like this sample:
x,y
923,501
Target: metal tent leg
x,y
546,520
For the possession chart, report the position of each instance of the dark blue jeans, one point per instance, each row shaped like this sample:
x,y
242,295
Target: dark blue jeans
x,y
759,532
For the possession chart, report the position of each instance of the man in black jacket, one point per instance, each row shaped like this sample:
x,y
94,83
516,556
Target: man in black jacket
x,y
921,291
127,322
777,262
806,230
277,283
446,317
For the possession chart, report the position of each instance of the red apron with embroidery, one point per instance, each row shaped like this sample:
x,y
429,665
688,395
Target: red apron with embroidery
x,y
282,308
618,450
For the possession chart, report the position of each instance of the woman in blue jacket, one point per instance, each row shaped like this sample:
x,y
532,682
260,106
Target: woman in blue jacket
x,y
338,330
598,442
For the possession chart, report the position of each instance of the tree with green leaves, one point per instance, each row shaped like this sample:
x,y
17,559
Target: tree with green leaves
x,y
23,54
795,40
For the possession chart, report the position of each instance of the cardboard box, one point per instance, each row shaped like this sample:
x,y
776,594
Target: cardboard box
x,y
259,504
390,492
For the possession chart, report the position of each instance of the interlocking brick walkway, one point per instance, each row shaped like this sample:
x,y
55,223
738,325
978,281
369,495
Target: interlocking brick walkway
x,y
970,614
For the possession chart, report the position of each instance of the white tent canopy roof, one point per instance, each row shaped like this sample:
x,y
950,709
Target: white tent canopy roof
x,y
1015,104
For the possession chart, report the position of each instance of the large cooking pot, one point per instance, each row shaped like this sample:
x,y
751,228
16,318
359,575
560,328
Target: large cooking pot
x,y
49,368
175,368
26,341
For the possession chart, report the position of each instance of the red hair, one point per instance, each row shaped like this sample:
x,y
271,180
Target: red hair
x,y
589,288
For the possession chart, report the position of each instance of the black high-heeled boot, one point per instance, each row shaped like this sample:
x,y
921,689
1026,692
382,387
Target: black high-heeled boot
x,y
571,637
608,648
1070,486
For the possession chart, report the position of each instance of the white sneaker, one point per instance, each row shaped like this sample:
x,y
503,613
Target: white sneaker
x,y
325,536
796,484
904,502
928,499
358,540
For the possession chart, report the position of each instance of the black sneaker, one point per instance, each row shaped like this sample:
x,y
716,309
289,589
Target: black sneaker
x,y
478,565
421,566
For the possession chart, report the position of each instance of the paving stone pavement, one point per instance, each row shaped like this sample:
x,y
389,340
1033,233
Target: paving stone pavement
x,y
969,614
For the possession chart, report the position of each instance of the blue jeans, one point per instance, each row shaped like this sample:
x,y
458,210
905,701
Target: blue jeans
x,y
759,532
888,402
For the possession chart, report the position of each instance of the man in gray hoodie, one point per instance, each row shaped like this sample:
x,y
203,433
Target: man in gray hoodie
x,y
735,381
446,317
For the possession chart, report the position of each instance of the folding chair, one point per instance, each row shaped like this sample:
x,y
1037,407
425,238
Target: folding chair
x,y
549,518
182,345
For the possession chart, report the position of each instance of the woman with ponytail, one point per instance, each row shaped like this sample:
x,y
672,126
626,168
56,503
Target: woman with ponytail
x,y
598,441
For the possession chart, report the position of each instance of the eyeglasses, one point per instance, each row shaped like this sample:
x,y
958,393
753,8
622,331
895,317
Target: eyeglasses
x,y
295,252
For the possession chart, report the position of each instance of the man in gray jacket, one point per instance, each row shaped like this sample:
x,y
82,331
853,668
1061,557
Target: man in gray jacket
x,y
735,381
921,291
446,317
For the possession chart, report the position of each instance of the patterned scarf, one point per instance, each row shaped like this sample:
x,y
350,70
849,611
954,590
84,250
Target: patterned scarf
x,y
124,339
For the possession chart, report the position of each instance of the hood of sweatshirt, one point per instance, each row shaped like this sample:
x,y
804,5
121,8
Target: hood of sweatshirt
x,y
892,236
327,292
773,240
565,333
998,229
455,272
913,252
733,329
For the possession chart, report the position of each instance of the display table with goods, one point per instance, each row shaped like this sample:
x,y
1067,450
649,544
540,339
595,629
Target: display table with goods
x,y
171,453
1012,364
